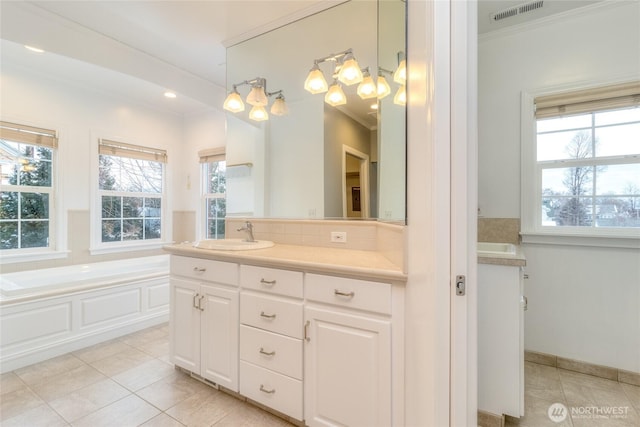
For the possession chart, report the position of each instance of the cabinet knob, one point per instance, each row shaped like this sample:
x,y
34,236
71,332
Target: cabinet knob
x,y
199,269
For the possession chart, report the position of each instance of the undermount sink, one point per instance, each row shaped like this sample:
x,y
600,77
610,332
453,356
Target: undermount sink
x,y
490,248
232,244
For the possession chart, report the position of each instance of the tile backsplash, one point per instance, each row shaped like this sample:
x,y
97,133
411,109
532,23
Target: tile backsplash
x,y
500,230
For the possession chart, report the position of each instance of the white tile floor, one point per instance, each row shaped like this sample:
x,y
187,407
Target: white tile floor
x,y
130,382
124,382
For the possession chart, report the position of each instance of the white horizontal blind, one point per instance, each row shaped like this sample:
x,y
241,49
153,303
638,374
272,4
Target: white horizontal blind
x,y
114,148
28,134
212,155
588,100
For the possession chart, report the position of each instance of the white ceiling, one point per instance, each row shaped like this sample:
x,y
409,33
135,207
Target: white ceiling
x,y
175,44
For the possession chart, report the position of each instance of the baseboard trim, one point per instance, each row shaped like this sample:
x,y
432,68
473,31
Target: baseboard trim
x,y
600,371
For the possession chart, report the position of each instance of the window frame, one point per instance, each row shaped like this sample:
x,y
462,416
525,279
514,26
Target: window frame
x,y
532,230
207,157
97,246
57,247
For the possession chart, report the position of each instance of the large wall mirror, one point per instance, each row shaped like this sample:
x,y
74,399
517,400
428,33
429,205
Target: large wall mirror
x,y
321,161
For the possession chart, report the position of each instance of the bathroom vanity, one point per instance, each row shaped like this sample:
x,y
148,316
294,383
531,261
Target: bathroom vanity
x,y
501,306
314,333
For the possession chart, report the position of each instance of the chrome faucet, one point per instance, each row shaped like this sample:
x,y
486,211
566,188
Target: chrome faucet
x,y
248,227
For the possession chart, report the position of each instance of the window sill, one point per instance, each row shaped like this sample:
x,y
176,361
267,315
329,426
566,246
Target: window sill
x,y
18,257
613,240
147,246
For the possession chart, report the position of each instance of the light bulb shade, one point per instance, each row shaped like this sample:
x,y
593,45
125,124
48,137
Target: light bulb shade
x,y
258,113
335,95
233,102
400,97
367,88
279,107
315,82
400,76
350,72
257,97
383,87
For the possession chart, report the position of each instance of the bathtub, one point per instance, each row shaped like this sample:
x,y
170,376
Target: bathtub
x,y
48,312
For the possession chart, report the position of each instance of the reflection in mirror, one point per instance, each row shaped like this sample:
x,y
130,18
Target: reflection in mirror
x,y
295,166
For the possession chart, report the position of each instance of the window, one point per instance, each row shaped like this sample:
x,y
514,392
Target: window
x,y
586,156
131,193
214,187
27,171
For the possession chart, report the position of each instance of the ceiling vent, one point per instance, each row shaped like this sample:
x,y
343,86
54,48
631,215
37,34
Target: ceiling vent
x,y
517,10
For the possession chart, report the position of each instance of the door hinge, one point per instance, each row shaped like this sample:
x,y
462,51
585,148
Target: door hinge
x,y
461,285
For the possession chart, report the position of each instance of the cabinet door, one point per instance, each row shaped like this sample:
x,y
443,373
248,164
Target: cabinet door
x,y
219,332
347,369
185,324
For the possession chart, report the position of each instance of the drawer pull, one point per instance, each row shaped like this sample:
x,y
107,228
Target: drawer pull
x,y
264,390
267,282
199,269
200,303
344,294
267,316
306,331
267,353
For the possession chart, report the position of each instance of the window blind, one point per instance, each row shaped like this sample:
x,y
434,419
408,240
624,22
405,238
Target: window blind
x,y
212,155
115,148
28,134
588,100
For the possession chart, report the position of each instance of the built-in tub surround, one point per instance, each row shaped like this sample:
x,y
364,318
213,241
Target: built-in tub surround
x,y
48,312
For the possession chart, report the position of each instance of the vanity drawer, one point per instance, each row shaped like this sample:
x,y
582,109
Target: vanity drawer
x,y
281,282
272,314
205,269
272,389
352,293
272,351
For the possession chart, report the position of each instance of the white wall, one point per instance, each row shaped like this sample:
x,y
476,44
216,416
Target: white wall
x,y
583,302
83,114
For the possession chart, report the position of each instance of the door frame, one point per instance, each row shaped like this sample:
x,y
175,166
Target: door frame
x,y
364,180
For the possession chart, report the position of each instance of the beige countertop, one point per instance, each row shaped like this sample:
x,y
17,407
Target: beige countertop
x,y
367,265
517,260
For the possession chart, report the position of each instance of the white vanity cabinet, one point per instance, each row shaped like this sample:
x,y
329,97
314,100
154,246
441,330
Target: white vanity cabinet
x,y
500,339
204,318
348,347
271,328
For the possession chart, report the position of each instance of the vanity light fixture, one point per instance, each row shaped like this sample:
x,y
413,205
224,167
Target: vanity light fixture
x,y
346,70
258,97
400,97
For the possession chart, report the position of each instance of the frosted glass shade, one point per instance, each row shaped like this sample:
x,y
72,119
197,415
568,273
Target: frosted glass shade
x,y
233,103
335,95
367,88
258,113
315,82
257,97
383,87
279,107
350,72
400,97
400,76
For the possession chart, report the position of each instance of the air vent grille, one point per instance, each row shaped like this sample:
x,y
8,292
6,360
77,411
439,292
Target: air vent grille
x,y
517,10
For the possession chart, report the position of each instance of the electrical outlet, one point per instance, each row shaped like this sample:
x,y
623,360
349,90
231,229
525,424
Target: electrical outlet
x,y
339,236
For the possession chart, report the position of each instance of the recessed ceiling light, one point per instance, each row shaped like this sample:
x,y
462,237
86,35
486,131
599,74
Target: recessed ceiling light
x,y
169,94
374,106
33,49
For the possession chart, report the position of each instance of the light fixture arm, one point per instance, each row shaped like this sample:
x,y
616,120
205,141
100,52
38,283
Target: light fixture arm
x,y
258,81
333,56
